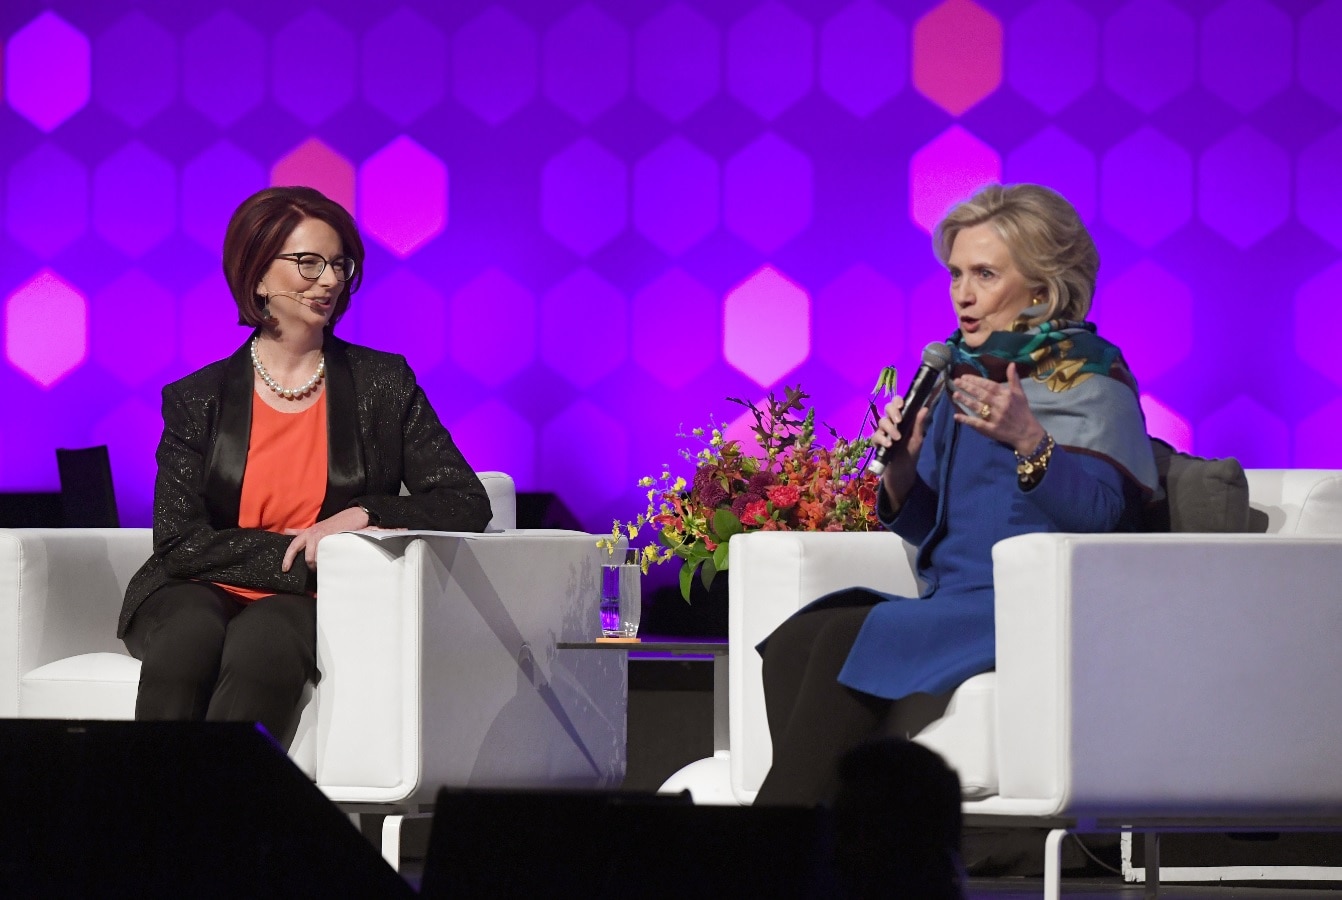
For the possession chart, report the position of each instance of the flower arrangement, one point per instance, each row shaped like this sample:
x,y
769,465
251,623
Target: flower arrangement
x,y
794,484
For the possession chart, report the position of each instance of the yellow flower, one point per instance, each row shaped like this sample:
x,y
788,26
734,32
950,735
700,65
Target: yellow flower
x,y
678,485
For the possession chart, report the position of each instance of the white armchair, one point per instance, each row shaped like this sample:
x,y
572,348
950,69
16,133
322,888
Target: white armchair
x,y
1143,680
437,653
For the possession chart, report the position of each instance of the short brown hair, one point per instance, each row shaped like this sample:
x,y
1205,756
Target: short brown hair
x,y
1048,243
257,232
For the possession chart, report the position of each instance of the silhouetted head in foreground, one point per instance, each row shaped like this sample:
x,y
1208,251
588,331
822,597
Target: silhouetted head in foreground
x,y
897,823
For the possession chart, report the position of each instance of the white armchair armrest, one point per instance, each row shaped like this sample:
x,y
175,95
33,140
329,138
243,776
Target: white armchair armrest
x,y
1168,674
772,575
457,679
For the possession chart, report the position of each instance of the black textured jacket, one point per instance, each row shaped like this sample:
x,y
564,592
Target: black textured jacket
x,y
381,431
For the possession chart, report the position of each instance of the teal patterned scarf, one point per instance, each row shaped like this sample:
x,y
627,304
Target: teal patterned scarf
x,y
1079,387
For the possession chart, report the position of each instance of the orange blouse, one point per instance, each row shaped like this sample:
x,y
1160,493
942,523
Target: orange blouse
x,y
285,480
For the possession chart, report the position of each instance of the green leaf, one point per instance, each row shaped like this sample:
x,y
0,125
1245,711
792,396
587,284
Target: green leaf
x,y
707,572
720,557
686,574
725,524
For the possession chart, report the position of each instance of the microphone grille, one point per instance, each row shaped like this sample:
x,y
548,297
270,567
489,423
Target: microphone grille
x,y
937,355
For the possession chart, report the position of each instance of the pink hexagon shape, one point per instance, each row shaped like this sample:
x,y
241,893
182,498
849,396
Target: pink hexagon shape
x,y
766,326
770,59
135,199
494,67
477,436
677,66
1123,316
1241,30
859,287
1318,293
315,164
1146,187
208,323
584,328
392,303
1318,190
768,192
1318,438
135,69
945,171
1051,157
584,196
1244,186
1248,431
589,472
1317,65
403,196
223,66
213,184
676,195
404,66
312,93
957,55
585,60
114,330
492,354
676,296
46,328
1069,38
47,71
1164,423
863,56
1148,53
46,207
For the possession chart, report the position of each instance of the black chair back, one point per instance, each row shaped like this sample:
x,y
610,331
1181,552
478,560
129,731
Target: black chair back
x,y
88,499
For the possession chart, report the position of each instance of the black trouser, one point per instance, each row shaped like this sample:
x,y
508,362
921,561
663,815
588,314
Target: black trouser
x,y
208,656
813,719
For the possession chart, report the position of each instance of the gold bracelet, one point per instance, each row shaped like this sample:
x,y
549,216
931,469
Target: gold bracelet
x,y
1030,469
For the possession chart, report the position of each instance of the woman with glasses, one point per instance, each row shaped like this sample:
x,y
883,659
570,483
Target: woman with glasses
x,y
296,436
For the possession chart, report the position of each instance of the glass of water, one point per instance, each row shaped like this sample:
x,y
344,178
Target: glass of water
x,y
621,595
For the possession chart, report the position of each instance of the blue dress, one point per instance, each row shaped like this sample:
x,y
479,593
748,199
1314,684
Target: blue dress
x,y
965,499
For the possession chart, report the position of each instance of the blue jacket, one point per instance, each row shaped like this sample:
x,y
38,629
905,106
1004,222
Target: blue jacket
x,y
967,498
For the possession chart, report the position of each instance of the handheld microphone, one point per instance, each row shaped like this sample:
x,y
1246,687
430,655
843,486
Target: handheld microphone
x,y
936,357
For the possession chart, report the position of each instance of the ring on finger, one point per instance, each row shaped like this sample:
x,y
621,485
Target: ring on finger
x,y
985,411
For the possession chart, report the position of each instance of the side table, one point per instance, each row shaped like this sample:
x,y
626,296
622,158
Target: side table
x,y
714,770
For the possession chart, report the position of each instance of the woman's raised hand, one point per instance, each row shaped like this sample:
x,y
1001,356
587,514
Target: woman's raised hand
x,y
999,411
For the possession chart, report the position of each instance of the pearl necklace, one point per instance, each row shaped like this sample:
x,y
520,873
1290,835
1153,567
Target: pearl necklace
x,y
288,393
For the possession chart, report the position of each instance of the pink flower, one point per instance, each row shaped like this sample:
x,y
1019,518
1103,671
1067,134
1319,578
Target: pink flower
x,y
756,513
784,496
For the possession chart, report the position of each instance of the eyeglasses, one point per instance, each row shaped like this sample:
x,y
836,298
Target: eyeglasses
x,y
312,265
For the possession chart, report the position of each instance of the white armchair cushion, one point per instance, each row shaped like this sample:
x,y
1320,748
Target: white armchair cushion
x,y
502,500
965,735
87,686
1297,501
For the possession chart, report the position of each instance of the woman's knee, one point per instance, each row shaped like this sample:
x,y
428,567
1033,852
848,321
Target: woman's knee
x,y
184,644
272,643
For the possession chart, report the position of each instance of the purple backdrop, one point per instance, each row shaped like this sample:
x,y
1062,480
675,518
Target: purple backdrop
x,y
588,223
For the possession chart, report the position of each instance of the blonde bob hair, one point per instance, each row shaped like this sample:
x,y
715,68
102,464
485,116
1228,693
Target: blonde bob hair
x,y
1048,244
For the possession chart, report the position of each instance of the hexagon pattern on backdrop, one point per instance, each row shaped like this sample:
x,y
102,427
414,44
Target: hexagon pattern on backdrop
x,y
590,222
